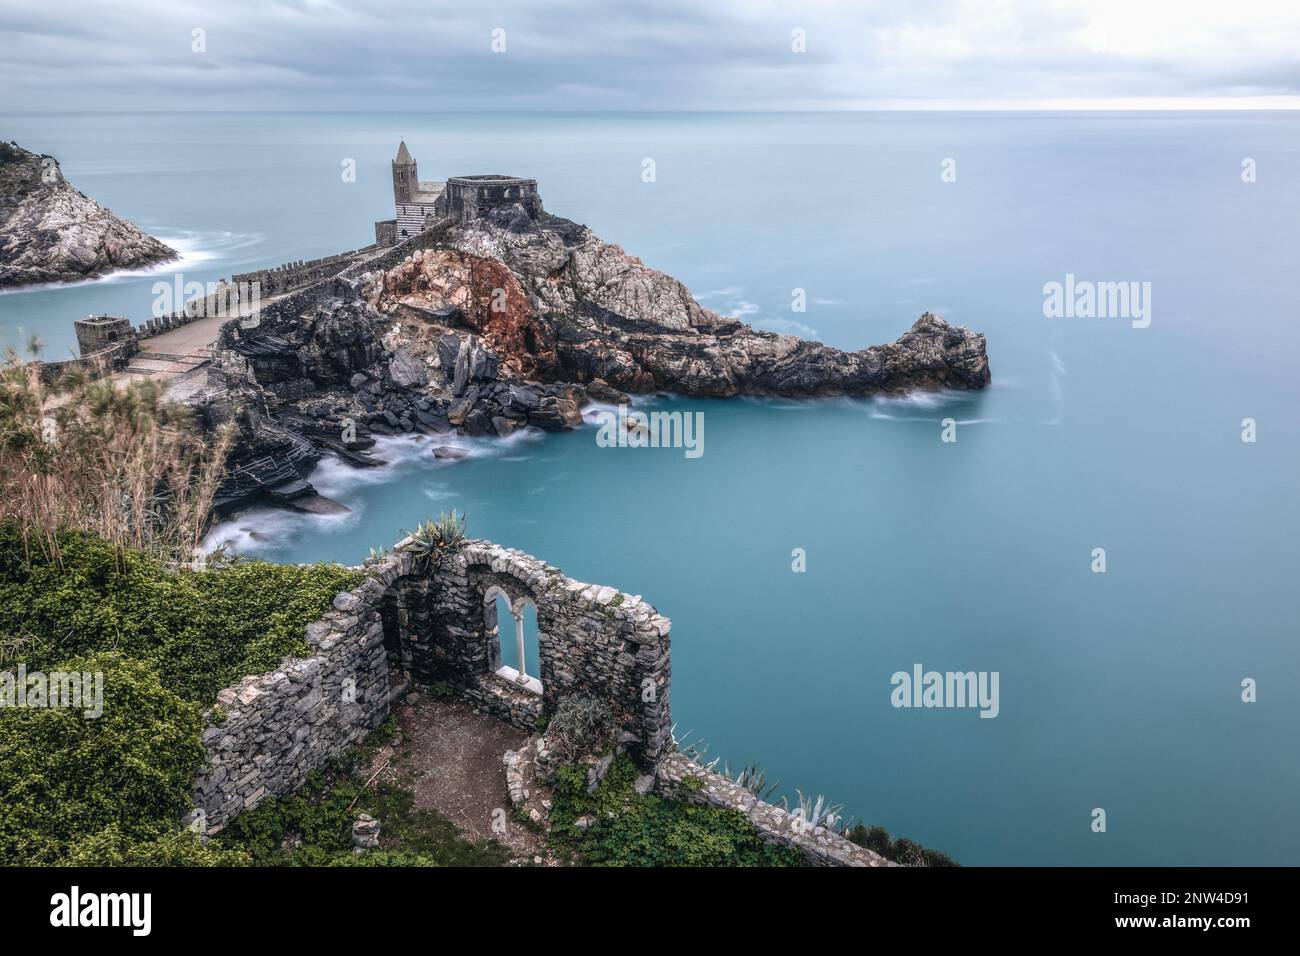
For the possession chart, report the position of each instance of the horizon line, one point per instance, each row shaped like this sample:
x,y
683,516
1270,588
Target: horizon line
x,y
1115,108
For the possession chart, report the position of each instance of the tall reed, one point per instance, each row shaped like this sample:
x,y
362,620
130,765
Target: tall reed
x,y
111,458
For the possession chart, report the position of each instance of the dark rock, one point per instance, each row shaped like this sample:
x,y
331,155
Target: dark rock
x,y
506,426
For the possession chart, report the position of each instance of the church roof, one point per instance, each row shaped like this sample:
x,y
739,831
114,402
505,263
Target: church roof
x,y
403,154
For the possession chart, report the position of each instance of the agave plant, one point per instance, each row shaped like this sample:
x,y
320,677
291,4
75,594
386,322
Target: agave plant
x,y
818,812
753,778
692,749
431,539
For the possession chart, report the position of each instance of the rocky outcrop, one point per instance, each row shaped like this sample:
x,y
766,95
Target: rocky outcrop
x,y
556,303
51,232
508,322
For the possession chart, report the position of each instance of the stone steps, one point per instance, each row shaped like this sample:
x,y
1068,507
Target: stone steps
x,y
148,365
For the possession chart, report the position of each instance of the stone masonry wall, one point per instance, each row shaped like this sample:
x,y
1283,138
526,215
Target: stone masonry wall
x,y
281,725
434,623
591,639
410,620
774,825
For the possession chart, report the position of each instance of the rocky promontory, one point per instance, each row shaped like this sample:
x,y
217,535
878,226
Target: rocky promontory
x,y
517,319
52,232
556,303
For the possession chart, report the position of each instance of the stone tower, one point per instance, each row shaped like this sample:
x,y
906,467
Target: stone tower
x,y
406,180
415,203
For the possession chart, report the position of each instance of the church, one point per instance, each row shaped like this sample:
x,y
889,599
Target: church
x,y
419,205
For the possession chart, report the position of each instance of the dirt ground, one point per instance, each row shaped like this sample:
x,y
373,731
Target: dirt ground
x,y
454,757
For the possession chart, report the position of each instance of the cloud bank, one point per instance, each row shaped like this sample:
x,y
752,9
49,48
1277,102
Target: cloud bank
x,y
665,55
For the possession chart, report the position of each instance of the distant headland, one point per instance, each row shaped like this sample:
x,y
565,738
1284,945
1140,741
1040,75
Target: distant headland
x,y
52,232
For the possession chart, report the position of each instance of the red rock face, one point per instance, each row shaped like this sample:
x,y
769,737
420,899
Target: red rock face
x,y
489,297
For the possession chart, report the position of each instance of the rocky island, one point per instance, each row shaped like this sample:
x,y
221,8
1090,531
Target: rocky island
x,y
52,232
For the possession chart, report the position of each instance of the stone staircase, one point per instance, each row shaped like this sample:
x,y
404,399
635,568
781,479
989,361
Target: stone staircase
x,y
166,364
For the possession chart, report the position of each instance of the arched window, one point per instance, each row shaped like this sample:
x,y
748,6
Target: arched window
x,y
518,653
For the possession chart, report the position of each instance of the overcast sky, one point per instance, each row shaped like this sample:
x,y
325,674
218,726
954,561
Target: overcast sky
x,y
649,55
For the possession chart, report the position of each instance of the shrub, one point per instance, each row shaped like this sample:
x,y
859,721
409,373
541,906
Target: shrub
x,y
73,783
111,790
630,829
581,725
899,851
203,630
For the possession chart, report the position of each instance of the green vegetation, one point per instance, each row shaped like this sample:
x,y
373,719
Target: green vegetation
x,y
630,829
201,630
899,851
314,828
112,789
581,724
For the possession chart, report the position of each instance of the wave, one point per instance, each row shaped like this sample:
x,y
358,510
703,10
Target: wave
x,y
195,250
213,246
264,528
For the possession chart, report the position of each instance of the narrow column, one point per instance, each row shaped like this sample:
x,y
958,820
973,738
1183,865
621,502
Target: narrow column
x,y
518,615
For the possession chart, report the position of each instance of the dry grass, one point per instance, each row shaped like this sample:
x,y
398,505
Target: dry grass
x,y
119,462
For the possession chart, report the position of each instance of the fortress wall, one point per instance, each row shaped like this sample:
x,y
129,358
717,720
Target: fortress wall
x,y
295,275
470,197
385,261
96,365
230,296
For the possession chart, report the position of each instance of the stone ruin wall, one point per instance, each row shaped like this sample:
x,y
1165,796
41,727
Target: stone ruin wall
x,y
470,197
410,623
774,824
270,730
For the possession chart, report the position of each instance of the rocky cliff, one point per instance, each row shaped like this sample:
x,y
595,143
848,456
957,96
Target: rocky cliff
x,y
506,322
51,232
556,303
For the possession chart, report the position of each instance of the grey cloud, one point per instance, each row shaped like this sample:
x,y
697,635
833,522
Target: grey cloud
x,y
403,54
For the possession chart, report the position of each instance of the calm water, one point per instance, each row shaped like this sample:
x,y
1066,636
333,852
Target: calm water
x,y
1119,691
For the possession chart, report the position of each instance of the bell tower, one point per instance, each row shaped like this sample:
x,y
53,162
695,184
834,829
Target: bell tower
x,y
405,178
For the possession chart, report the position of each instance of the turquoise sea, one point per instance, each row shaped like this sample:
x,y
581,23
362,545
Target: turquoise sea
x,y
1119,691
